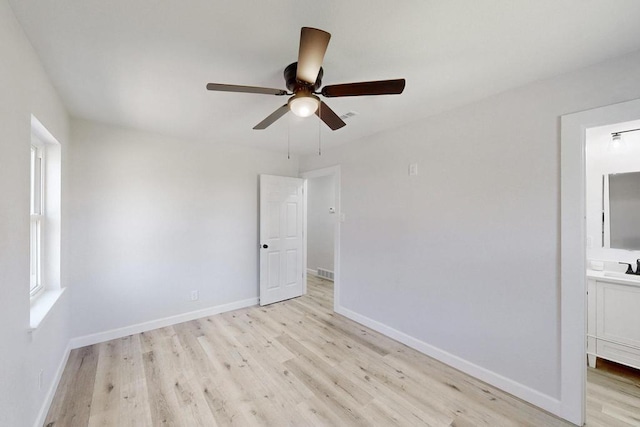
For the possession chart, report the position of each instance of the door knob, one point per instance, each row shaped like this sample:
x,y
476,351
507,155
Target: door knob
x,y
265,246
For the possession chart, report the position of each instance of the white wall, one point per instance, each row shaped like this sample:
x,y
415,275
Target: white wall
x,y
24,90
320,222
155,218
602,159
464,258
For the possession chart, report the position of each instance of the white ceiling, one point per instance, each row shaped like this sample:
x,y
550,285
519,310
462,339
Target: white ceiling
x,y
144,64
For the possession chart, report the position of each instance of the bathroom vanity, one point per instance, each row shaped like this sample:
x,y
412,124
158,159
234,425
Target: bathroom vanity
x,y
613,317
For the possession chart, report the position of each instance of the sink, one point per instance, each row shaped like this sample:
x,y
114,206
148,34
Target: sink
x,y
617,275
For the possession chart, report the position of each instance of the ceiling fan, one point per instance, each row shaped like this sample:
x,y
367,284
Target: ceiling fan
x,y
304,78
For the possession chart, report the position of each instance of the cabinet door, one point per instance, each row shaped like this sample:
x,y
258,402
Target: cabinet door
x,y
591,316
618,317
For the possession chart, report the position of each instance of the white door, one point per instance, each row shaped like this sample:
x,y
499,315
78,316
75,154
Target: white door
x,y
281,244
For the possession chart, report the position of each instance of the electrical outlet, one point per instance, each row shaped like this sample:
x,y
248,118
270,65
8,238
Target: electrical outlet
x,y
40,379
413,169
195,295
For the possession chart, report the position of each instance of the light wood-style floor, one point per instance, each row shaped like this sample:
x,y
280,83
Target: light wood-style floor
x,y
294,363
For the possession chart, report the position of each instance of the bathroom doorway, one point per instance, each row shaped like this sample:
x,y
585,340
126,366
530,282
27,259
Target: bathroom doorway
x,y
574,242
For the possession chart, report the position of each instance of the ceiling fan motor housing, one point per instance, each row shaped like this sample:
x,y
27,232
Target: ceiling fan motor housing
x,y
294,84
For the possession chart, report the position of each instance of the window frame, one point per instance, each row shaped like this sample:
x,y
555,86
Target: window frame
x,y
37,215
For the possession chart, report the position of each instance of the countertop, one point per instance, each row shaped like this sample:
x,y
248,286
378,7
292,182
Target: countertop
x,y
633,280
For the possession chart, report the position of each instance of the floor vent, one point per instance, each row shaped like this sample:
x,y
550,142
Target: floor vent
x,y
325,274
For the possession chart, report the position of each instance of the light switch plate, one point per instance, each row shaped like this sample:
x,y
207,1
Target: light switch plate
x,y
413,169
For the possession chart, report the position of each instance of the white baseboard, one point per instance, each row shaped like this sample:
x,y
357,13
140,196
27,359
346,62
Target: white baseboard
x,y
159,323
312,272
528,394
44,409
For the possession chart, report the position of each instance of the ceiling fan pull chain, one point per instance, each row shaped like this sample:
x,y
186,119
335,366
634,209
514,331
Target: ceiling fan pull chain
x,y
289,139
320,130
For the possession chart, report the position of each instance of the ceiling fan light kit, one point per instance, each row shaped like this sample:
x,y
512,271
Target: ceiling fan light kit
x,y
304,78
303,104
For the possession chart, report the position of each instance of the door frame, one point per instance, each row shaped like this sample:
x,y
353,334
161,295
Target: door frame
x,y
317,173
573,268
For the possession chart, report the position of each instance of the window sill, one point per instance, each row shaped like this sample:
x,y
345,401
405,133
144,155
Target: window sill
x,y
41,307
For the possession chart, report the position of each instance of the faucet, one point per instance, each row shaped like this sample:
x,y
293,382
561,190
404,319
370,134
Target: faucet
x,y
629,268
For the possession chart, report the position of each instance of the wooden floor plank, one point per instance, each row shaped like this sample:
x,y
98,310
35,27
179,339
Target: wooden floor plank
x,y
71,405
162,402
297,363
135,410
414,414
105,405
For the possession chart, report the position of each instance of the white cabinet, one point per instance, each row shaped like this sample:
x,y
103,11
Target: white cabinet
x,y
613,320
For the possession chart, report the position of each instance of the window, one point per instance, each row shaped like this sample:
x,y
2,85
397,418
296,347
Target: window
x,y
37,216
45,213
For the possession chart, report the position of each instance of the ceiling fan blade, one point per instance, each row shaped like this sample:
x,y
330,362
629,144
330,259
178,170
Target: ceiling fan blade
x,y
330,118
245,89
272,117
313,45
380,87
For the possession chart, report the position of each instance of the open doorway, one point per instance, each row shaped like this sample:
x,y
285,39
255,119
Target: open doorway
x,y
322,227
612,172
574,242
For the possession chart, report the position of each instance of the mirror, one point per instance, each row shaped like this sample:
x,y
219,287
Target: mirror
x,y
621,211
